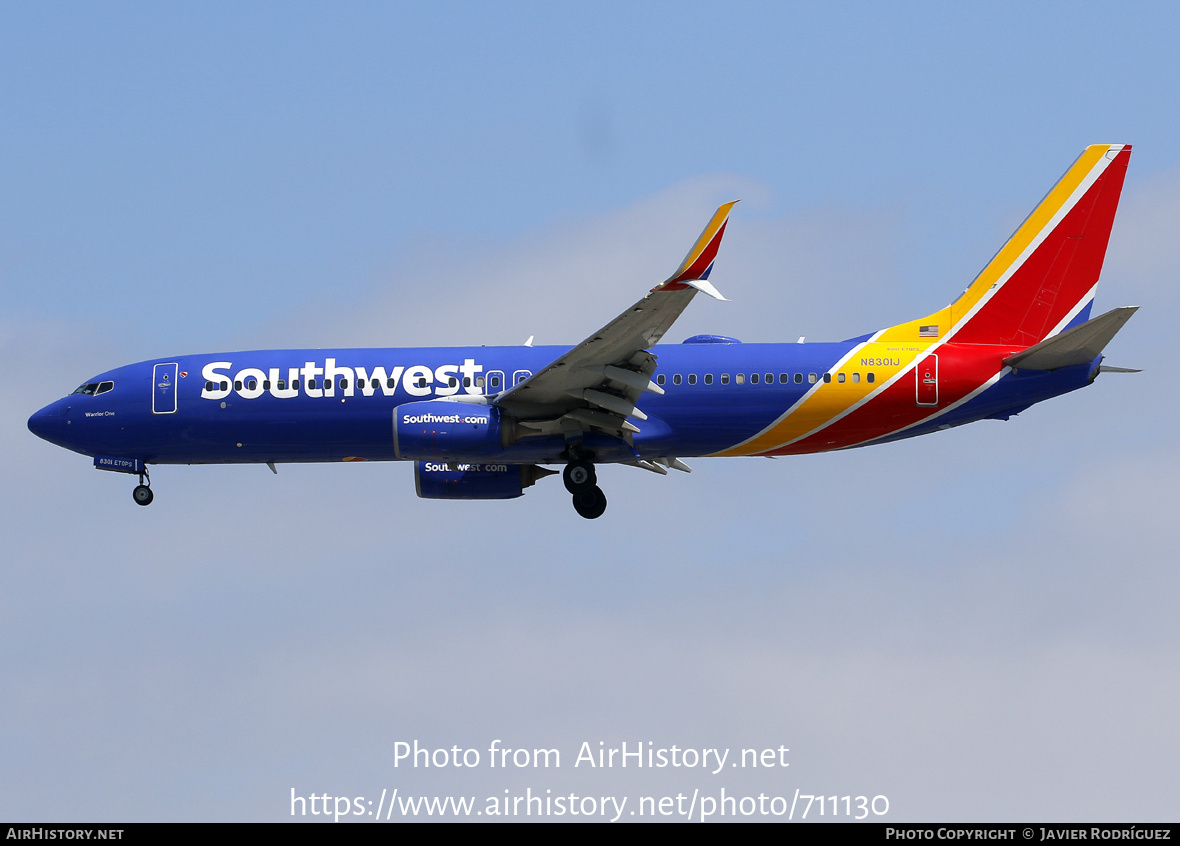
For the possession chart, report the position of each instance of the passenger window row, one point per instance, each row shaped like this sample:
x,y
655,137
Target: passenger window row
x,y
767,379
95,388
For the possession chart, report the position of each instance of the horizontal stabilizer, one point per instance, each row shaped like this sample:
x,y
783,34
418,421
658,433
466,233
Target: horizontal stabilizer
x,y
1107,368
1079,345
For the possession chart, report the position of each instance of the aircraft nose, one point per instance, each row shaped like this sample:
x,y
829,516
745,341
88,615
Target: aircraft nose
x,y
49,423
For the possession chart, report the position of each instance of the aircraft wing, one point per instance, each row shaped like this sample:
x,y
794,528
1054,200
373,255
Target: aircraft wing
x,y
598,383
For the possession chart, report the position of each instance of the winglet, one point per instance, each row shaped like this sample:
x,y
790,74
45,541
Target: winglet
x,y
699,261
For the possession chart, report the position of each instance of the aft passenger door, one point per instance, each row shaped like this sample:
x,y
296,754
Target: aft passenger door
x,y
926,374
164,388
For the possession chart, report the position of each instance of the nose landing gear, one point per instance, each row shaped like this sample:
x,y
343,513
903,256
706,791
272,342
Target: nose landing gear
x,y
143,492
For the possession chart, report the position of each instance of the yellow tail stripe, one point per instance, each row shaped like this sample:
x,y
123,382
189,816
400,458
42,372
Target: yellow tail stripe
x,y
950,317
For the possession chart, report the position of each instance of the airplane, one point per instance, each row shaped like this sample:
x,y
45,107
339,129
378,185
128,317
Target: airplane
x,y
482,422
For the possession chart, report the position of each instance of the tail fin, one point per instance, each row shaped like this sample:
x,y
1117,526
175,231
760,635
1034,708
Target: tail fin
x,y
1043,279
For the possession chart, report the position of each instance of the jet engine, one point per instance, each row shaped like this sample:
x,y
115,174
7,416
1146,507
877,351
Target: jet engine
x,y
463,480
426,430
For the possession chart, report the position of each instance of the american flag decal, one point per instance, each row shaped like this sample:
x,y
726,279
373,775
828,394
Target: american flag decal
x,y
928,331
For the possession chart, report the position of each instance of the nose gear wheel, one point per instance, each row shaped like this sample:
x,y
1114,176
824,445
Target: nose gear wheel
x,y
143,492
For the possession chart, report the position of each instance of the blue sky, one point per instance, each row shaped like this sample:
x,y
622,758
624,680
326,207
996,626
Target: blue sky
x,y
976,624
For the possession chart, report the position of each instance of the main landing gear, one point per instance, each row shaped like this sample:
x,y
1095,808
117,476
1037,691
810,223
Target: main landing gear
x,y
581,481
591,504
143,491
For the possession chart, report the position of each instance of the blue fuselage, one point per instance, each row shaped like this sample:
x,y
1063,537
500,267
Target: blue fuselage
x,y
334,405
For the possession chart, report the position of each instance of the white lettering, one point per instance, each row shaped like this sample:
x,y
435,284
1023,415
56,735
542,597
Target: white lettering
x,y
287,392
211,376
251,379
332,376
469,369
314,380
444,375
417,380
444,418
310,371
386,381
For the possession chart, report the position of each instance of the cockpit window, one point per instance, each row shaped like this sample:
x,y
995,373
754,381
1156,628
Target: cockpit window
x,y
93,389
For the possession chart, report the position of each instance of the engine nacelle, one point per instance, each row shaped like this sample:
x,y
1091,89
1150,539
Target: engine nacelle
x,y
463,480
427,430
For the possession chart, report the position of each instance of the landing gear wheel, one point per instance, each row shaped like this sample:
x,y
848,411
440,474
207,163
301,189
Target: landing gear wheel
x,y
579,477
143,495
591,504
